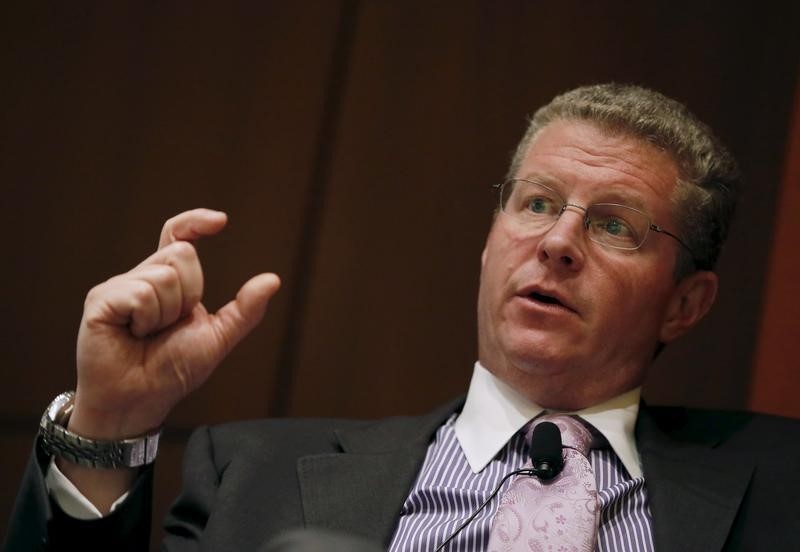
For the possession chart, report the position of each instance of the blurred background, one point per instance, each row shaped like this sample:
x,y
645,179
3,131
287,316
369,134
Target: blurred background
x,y
353,145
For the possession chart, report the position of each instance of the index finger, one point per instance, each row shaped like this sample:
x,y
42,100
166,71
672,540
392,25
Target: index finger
x,y
192,225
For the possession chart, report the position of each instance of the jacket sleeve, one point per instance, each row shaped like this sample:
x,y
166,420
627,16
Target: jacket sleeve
x,y
37,523
186,520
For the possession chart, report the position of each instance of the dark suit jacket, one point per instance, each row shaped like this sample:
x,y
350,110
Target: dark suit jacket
x,y
715,481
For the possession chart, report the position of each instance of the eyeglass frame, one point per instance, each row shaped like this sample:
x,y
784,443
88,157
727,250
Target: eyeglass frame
x,y
586,221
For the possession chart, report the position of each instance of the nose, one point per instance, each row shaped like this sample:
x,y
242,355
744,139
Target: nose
x,y
562,246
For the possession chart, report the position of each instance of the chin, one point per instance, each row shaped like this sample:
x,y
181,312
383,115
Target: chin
x,y
539,369
540,356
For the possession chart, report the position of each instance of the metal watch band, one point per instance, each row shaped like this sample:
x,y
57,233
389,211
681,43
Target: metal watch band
x,y
58,441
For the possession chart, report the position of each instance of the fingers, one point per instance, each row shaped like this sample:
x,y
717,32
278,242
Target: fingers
x,y
235,320
160,299
153,295
147,299
182,257
192,225
168,285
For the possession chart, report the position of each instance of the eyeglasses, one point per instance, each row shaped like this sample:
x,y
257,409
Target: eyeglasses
x,y
609,224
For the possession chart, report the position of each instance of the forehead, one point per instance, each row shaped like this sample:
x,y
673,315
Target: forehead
x,y
578,156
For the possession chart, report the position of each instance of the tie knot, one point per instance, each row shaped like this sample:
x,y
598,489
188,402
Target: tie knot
x,y
574,433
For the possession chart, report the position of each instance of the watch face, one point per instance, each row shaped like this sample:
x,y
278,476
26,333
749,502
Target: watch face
x,y
60,409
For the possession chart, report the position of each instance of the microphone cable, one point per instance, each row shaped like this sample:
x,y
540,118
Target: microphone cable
x,y
545,455
525,471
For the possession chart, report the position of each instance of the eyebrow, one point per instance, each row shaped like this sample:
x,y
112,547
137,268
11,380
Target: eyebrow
x,y
614,193
544,180
621,194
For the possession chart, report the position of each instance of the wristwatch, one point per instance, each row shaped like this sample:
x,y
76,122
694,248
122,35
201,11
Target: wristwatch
x,y
56,440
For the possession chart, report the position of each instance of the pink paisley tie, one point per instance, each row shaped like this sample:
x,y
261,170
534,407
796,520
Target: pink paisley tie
x,y
556,515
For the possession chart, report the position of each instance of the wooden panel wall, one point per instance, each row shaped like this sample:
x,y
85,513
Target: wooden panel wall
x,y
776,379
118,115
353,145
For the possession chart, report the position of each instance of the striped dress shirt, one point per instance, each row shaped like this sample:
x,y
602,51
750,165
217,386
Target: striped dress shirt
x,y
447,492
474,450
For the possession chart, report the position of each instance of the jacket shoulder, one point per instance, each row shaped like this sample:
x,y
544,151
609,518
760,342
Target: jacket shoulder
x,y
737,429
294,437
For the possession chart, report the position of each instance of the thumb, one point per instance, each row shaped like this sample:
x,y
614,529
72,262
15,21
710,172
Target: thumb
x,y
235,320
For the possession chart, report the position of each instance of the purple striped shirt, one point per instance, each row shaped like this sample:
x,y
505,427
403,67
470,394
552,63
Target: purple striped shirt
x,y
447,491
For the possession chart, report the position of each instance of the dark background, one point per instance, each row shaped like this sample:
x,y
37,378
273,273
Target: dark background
x,y
353,145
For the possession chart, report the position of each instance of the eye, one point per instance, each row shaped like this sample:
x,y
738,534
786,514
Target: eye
x,y
531,201
616,227
540,205
615,231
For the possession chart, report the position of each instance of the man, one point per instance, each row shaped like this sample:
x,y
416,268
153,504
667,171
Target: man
x,y
616,206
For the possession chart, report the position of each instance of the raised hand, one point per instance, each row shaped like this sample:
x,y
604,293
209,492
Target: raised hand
x,y
146,340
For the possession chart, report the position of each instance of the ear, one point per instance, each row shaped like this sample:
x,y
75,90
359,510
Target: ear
x,y
690,302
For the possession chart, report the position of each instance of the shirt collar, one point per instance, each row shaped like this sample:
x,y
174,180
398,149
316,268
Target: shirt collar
x,y
494,412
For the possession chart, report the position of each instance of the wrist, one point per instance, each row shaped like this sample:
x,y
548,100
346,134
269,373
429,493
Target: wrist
x,y
123,419
88,451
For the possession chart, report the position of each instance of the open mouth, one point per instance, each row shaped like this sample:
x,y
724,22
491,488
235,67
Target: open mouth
x,y
549,301
542,298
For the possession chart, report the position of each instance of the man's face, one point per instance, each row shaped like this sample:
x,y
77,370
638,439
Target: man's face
x,y
612,306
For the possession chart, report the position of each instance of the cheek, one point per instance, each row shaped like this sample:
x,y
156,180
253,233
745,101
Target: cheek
x,y
495,259
506,250
491,285
635,297
501,258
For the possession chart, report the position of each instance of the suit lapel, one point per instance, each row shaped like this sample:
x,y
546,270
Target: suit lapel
x,y
371,477
693,488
